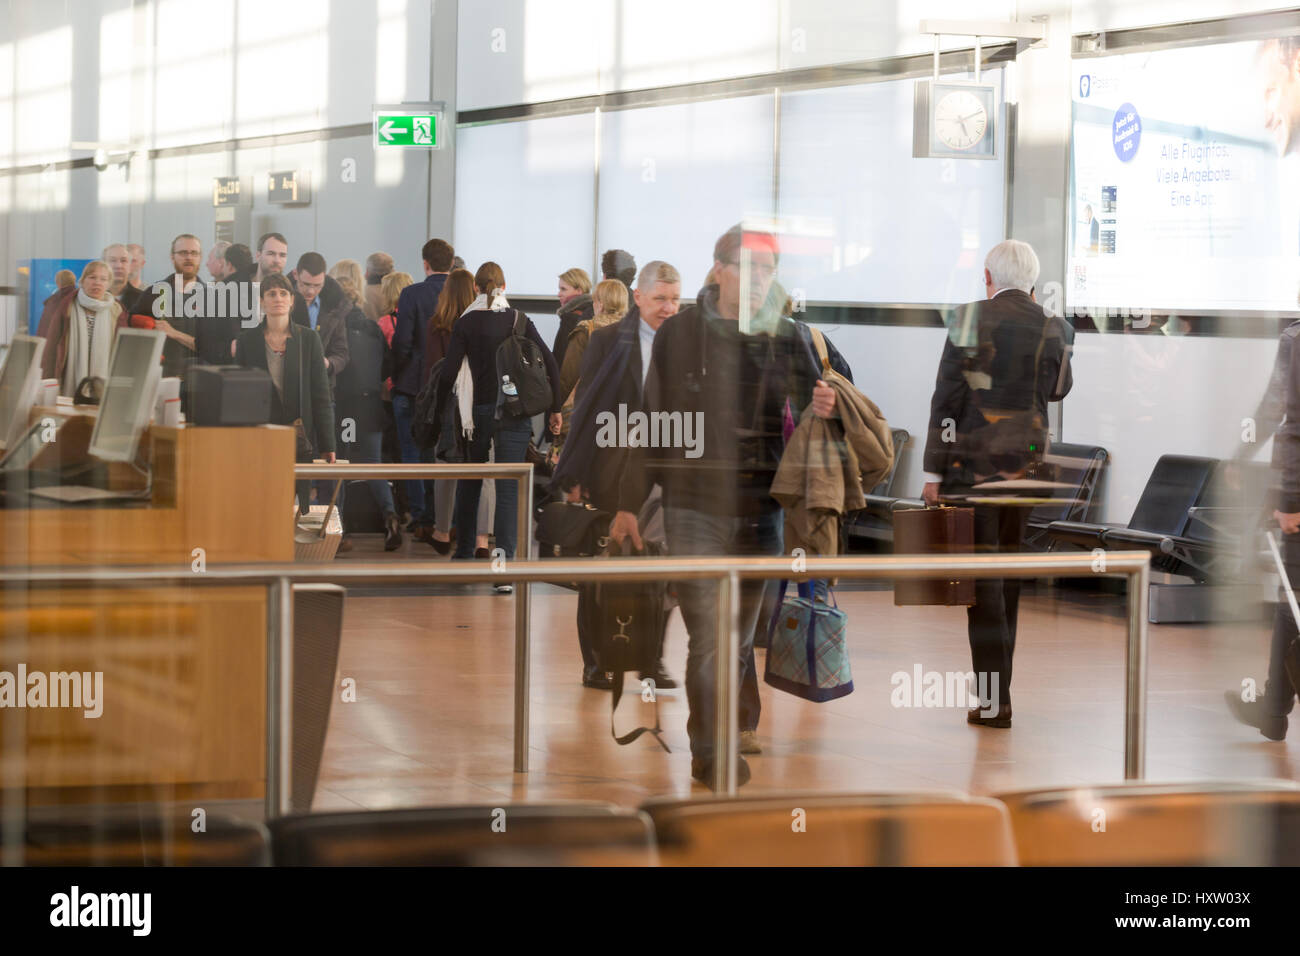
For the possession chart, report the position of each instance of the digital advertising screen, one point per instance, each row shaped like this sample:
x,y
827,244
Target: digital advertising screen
x,y
1185,181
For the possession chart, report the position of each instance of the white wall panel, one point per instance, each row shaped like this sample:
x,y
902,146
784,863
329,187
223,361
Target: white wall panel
x,y
525,199
674,178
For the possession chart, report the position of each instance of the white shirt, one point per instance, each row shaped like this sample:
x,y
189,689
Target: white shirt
x,y
647,347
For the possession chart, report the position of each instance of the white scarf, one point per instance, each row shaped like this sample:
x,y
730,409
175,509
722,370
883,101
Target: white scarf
x,y
464,386
88,350
480,304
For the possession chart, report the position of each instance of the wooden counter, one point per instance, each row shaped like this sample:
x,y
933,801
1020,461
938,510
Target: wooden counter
x,y
184,670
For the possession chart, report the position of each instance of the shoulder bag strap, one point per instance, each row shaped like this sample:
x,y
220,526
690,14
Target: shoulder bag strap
x,y
819,343
656,731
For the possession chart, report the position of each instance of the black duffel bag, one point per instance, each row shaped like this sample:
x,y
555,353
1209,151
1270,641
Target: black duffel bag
x,y
570,529
630,618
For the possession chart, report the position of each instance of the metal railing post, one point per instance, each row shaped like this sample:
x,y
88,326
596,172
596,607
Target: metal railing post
x,y
279,697
727,686
1135,676
523,675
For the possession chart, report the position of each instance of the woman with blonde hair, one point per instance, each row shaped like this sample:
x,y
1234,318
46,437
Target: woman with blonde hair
x,y
575,306
79,324
390,290
355,289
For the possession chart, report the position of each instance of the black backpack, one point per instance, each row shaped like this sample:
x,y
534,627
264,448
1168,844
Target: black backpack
x,y
522,359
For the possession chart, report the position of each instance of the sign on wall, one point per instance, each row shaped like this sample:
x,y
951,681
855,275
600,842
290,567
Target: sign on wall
x,y
409,127
226,191
291,187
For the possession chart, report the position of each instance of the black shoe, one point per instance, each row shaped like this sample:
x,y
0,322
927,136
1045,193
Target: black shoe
x,y
442,547
599,680
1252,714
660,677
702,770
392,534
1001,719
481,553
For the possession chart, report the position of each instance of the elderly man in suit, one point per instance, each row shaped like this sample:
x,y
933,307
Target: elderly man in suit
x,y
627,343
1004,360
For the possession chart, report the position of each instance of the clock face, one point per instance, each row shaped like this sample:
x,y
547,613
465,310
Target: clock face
x,y
960,120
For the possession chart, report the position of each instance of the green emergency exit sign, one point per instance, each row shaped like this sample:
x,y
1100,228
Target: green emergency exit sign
x,y
414,130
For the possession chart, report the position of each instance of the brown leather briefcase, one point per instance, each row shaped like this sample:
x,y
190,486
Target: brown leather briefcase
x,y
934,531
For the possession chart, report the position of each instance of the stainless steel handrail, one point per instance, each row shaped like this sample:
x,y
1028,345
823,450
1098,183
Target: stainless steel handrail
x,y
1132,565
522,473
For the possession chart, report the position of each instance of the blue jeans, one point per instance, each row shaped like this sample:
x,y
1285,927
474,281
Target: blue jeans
x,y
403,411
510,436
691,533
366,451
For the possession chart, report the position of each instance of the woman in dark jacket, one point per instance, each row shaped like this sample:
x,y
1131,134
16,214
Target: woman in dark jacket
x,y
293,356
476,336
575,306
359,397
457,295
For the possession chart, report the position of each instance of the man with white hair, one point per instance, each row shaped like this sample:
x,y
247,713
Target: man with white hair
x,y
218,267
1004,360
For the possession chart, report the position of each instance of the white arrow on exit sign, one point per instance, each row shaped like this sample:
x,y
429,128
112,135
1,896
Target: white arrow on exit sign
x,y
389,129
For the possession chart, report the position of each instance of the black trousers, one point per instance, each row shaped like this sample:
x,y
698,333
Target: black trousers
x,y
991,620
1279,692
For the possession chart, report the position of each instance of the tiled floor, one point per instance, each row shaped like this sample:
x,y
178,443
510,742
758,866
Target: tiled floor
x,y
432,722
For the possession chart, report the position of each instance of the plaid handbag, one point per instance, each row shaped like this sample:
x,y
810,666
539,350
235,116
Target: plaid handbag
x,y
807,655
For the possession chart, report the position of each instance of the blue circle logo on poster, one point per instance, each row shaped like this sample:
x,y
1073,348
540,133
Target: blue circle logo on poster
x,y
1127,130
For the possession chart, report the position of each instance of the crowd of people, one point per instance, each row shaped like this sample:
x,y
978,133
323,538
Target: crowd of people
x,y
359,354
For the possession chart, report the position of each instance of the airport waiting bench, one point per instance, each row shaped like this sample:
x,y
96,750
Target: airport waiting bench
x,y
1208,823
1161,522
940,828
1083,467
1204,823
142,835
876,521
506,834
1196,523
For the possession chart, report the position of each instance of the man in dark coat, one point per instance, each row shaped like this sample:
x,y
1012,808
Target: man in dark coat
x,y
415,306
319,303
1002,364
360,407
724,370
169,313
596,468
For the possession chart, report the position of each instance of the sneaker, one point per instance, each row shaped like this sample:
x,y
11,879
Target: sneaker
x,y
1252,714
702,770
749,742
504,588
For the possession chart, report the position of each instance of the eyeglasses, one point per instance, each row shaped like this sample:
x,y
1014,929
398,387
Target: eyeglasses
x,y
765,271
